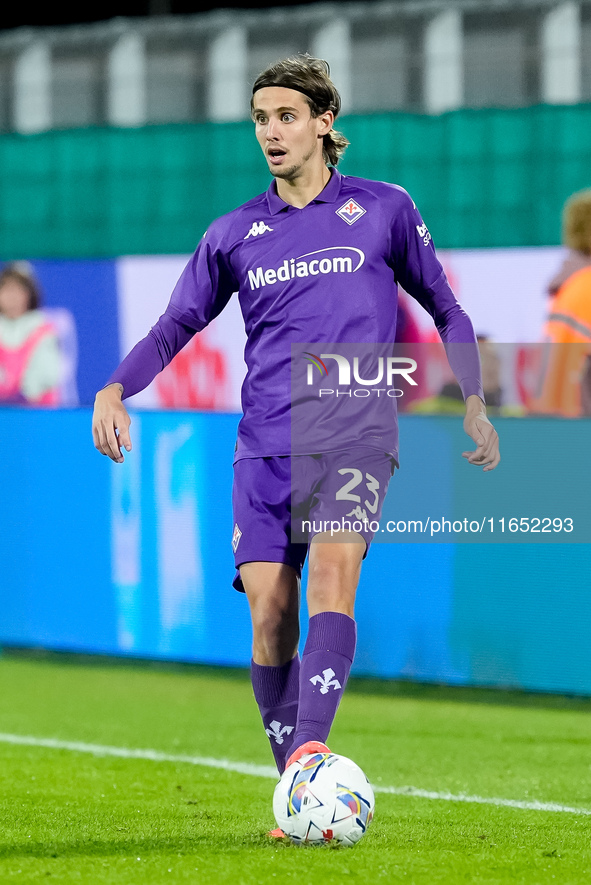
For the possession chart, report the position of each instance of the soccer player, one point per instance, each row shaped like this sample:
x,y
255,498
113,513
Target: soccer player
x,y
317,258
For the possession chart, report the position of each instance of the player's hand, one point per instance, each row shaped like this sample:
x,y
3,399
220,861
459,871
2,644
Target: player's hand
x,y
110,423
477,426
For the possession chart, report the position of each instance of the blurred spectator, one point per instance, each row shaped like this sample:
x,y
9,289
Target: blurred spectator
x,y
449,400
30,359
565,385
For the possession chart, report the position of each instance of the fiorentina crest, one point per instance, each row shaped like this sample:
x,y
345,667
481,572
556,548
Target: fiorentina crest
x,y
350,212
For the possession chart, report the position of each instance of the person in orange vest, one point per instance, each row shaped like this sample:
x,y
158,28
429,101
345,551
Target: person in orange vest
x,y
30,358
565,378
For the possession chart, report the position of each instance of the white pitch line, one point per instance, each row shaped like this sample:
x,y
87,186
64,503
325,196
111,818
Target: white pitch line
x,y
130,753
270,772
481,800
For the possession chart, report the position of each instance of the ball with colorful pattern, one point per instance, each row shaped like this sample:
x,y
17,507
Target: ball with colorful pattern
x,y
324,798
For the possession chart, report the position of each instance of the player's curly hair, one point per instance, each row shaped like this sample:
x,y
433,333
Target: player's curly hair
x,y
310,76
21,272
576,222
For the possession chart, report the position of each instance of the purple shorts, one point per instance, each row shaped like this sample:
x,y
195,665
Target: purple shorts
x,y
281,502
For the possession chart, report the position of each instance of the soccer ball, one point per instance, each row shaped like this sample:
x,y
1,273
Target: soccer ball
x,y
322,798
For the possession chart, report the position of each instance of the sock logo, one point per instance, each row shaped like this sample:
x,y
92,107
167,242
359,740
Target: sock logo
x,y
326,681
276,730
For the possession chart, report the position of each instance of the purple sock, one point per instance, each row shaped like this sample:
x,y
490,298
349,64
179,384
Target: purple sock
x,y
326,662
276,691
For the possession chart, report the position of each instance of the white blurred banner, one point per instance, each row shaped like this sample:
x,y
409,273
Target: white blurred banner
x,y
208,373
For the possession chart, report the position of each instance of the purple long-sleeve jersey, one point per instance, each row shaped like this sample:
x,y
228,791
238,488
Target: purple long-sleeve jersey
x,y
324,273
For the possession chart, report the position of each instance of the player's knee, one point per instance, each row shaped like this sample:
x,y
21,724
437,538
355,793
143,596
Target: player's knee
x,y
327,572
272,619
332,564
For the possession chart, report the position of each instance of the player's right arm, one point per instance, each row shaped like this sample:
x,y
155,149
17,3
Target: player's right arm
x,y
203,290
110,423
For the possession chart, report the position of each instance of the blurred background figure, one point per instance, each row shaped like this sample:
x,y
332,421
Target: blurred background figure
x,y
30,357
491,373
565,380
449,399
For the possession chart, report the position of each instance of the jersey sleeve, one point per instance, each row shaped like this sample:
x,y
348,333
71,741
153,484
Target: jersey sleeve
x,y
205,285
418,270
150,355
201,293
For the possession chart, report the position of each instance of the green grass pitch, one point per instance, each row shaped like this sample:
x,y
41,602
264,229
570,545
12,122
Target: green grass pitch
x,y
73,817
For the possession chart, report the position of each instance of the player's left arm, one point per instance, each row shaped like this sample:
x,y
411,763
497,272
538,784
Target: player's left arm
x,y
419,271
478,426
464,358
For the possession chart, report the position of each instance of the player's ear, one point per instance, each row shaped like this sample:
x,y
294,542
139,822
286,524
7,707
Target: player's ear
x,y
326,121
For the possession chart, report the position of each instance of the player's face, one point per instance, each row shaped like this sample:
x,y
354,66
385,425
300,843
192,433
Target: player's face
x,y
289,136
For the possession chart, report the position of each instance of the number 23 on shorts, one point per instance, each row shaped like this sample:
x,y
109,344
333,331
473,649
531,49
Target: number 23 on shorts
x,y
345,493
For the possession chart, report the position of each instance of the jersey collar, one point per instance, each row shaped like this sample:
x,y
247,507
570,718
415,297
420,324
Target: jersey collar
x,y
328,195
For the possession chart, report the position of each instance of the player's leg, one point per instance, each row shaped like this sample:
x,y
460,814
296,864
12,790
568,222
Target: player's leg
x,y
269,567
351,492
273,594
334,570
